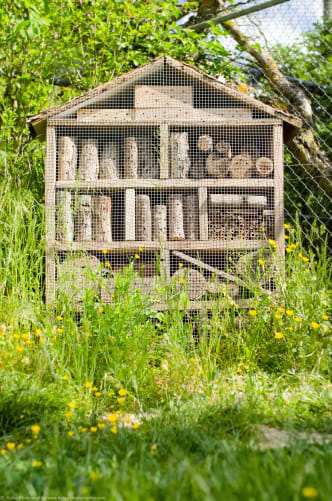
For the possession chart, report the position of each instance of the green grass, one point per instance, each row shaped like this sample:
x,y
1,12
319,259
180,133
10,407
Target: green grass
x,y
199,401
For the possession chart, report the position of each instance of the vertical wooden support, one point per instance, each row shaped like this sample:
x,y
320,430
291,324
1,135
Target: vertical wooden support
x,y
278,159
130,214
164,264
164,132
203,213
50,178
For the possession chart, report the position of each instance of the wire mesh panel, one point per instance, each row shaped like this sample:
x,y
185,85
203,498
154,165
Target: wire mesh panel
x,y
170,169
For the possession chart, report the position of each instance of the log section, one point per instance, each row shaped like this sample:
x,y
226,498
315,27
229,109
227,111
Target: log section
x,y
205,143
264,166
175,217
191,217
180,161
102,219
67,158
109,161
159,222
240,166
224,149
130,214
89,163
65,222
130,158
83,219
143,218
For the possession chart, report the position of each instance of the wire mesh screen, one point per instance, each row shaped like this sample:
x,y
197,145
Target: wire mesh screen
x,y
178,174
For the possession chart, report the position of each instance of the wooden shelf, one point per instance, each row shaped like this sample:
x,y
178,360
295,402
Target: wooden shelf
x,y
134,246
116,184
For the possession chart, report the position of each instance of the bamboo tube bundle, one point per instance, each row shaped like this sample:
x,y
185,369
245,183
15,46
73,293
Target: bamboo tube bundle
x,y
67,158
241,166
89,162
231,224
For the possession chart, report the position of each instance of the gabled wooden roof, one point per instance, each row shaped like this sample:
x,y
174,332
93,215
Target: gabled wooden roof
x,y
37,122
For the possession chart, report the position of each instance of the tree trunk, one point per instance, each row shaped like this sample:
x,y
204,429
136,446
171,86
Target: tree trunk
x,y
67,158
143,218
180,161
64,220
102,218
191,217
109,161
175,217
83,220
130,158
159,222
89,163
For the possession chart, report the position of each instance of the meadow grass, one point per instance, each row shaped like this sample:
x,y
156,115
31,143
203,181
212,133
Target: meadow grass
x,y
129,404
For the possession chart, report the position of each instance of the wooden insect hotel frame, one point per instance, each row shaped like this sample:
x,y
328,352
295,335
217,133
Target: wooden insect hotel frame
x,y
170,168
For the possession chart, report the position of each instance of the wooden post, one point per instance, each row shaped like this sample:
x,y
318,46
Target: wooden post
x,y
130,158
143,218
180,161
191,217
279,192
164,151
130,214
175,217
102,218
241,166
89,163
64,219
203,213
50,179
109,161
159,222
147,164
216,165
83,220
264,166
67,158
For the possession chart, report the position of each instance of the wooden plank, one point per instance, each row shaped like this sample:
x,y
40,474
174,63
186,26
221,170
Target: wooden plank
x,y
230,113
116,184
279,193
256,201
156,96
164,133
130,214
109,114
203,213
212,269
50,183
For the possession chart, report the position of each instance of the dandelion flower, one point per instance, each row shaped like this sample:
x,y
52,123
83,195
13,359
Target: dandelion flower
x,y
107,264
281,310
315,325
59,318
182,281
38,332
110,393
59,330
88,384
288,250
16,336
122,392
297,319
272,242
325,317
36,463
153,448
293,246
289,313
69,414
41,340
11,446
93,429
252,313
300,255
95,388
127,420
120,400
101,310
104,251
278,335
19,348
286,237
28,341
305,259
261,262
72,405
140,249
35,428
290,328
97,394
137,256
114,430
112,418
94,475
70,433
65,378
286,226
191,359
3,452
101,426
180,265
25,336
277,316
309,492
136,426
19,446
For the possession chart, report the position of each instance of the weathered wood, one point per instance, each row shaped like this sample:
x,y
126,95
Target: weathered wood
x,y
102,218
191,217
164,151
143,218
216,165
264,166
83,219
224,149
205,143
74,276
241,166
64,217
130,157
175,217
159,96
180,161
130,214
258,201
191,281
50,183
278,157
67,158
203,213
109,161
89,162
204,266
197,169
250,268
148,167
159,222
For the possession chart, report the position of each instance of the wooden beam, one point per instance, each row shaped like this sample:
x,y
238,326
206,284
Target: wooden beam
x,y
203,213
50,183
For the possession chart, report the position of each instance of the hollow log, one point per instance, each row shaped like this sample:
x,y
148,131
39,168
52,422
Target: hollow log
x,y
191,217
180,161
130,214
89,162
102,219
148,167
241,166
83,219
205,143
130,158
109,161
216,165
175,217
159,222
143,218
224,149
64,220
264,166
67,158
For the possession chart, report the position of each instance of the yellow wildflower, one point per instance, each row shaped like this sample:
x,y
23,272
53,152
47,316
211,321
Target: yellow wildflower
x,y
286,237
70,433
19,348
180,265
278,335
140,249
305,259
153,448
288,250
95,388
281,309
3,452
104,251
25,336
289,313
293,246
28,341
114,430
137,256
286,226
59,317
136,426
122,392
88,384
120,400
300,255
101,310
243,88
110,393
84,490
325,317
11,446
41,340
191,359
309,492
297,319
93,429
118,413
315,325
94,475
277,316
66,378
112,418
69,414
290,328
97,394
28,440
252,313
127,420
101,426
272,242
36,463
72,405
182,280
16,336
35,428
107,264
19,446
59,330
38,331
261,262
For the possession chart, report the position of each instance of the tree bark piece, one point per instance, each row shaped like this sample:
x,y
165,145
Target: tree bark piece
x,y
89,162
143,218
217,166
264,166
64,220
130,214
159,222
205,143
191,217
147,163
109,161
241,166
130,158
175,217
224,149
180,161
83,220
102,218
67,158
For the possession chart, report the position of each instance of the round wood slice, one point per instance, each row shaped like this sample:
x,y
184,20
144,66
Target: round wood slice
x,y
264,166
224,149
241,166
216,165
205,143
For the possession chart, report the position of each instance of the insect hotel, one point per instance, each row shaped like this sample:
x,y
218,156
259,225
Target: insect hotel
x,y
170,168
